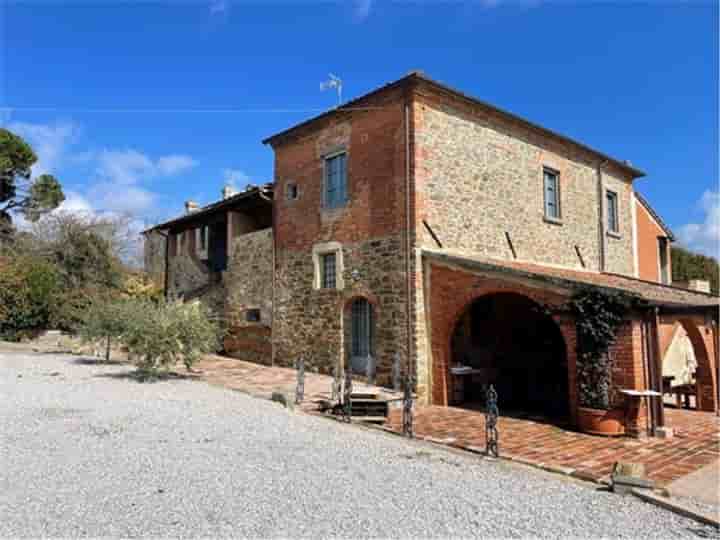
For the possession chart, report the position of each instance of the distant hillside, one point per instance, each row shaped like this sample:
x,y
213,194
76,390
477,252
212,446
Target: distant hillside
x,y
688,265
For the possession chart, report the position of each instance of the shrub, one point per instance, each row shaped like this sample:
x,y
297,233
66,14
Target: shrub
x,y
141,287
29,289
157,335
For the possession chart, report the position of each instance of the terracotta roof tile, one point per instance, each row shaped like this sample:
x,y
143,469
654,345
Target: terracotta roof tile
x,y
654,293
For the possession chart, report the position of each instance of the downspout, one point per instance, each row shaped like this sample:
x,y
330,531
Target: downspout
x,y
408,240
274,272
601,215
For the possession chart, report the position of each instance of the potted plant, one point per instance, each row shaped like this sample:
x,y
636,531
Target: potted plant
x,y
598,314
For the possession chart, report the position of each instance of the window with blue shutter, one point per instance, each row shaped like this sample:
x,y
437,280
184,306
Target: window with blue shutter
x,y
551,183
336,181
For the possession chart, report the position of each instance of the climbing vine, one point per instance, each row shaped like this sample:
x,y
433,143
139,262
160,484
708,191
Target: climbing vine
x,y
598,314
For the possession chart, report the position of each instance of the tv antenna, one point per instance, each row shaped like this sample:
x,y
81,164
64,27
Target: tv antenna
x,y
333,82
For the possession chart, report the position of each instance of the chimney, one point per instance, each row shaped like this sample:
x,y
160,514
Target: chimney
x,y
191,206
700,285
228,191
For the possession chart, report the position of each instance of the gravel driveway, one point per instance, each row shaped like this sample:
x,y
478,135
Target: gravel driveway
x,y
85,451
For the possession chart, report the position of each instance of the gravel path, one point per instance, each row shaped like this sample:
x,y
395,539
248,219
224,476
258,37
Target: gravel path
x,y
84,451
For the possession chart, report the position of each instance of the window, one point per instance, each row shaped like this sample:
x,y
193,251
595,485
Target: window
x,y
178,243
328,277
551,185
252,315
335,192
292,191
612,212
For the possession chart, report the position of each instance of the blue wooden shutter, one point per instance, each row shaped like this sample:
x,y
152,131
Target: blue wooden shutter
x,y
551,196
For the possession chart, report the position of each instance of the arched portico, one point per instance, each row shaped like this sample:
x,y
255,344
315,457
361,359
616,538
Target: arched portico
x,y
508,340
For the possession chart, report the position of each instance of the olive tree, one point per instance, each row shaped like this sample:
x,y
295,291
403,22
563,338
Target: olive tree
x,y
159,335
106,320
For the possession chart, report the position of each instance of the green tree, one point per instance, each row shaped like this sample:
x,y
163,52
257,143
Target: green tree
x,y
687,265
105,321
19,192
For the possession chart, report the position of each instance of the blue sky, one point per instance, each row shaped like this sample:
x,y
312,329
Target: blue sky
x,y
137,106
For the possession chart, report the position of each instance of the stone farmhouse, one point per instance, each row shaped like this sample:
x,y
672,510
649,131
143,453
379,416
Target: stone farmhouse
x,y
422,222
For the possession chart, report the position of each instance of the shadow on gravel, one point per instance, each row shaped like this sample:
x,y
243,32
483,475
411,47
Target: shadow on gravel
x,y
145,377
92,361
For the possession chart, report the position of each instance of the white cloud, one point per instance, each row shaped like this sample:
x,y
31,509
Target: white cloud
x,y
126,199
124,166
49,141
235,178
361,9
219,7
128,167
705,236
175,164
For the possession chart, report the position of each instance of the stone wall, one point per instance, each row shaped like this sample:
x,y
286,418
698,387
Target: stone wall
x,y
249,285
479,177
187,274
313,322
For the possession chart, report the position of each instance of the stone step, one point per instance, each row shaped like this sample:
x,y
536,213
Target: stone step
x,y
370,419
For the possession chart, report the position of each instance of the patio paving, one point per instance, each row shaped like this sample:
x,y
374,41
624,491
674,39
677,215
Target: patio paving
x,y
261,381
696,442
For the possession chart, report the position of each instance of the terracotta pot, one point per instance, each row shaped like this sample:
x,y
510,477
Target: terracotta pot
x,y
600,422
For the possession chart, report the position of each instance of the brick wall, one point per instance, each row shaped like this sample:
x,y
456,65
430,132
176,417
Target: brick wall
x,y
369,231
648,254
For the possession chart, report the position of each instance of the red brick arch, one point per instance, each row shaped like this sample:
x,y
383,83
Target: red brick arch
x,y
452,291
704,375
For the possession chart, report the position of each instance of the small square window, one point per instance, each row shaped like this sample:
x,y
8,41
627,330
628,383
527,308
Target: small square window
x,y
252,315
551,188
613,224
328,277
292,192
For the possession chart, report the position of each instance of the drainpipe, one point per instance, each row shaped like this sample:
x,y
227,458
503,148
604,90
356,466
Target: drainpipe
x,y
408,241
601,215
